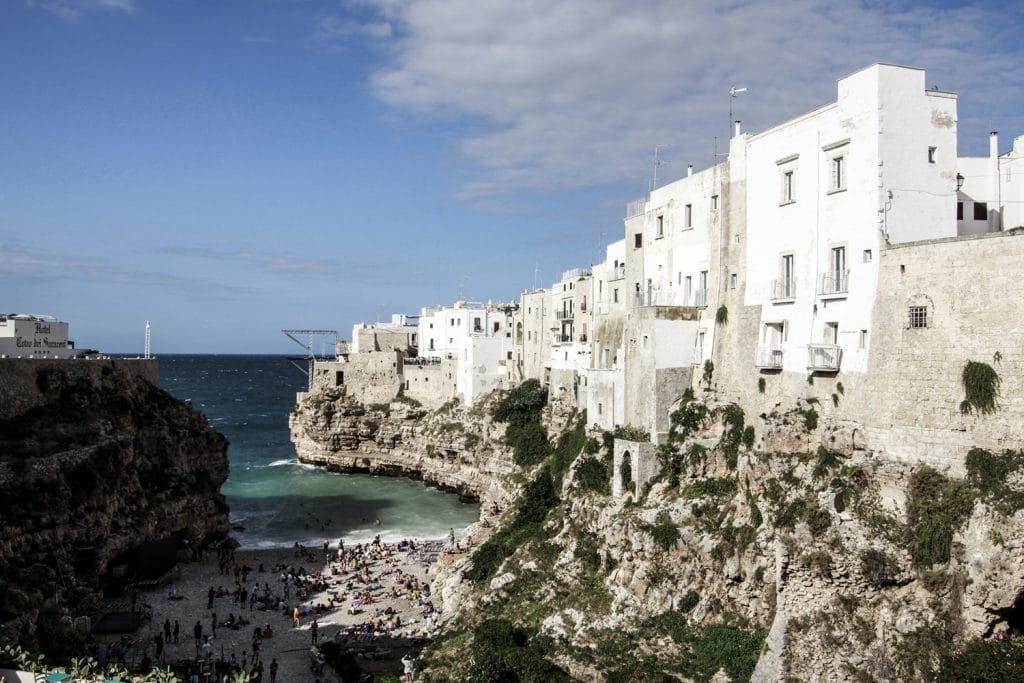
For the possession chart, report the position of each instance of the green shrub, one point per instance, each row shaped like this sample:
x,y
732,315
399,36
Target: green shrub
x,y
988,473
810,419
592,446
879,568
721,646
936,508
522,404
529,443
826,462
569,446
709,369
664,532
995,660
593,475
981,387
722,315
631,433
503,652
711,488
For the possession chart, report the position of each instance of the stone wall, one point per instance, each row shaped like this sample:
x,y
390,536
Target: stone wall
x,y
432,384
643,464
906,407
20,389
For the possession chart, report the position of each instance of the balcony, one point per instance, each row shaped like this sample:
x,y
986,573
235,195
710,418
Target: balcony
x,y
834,285
667,296
768,358
561,338
636,207
783,290
617,273
563,315
824,357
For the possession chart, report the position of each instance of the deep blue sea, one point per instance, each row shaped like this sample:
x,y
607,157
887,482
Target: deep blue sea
x,y
277,500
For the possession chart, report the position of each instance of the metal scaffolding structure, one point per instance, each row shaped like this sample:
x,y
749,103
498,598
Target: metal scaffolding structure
x,y
308,345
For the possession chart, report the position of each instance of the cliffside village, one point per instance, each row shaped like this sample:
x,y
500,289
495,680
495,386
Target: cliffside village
x,y
849,252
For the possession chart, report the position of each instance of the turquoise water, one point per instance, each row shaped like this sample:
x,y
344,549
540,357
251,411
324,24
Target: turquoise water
x,y
274,499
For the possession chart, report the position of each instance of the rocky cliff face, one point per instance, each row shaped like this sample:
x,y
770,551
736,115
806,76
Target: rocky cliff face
x,y
452,448
102,463
798,556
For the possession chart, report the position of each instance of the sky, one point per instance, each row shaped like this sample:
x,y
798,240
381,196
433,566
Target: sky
x,y
230,168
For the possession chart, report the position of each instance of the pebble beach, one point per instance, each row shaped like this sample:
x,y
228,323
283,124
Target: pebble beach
x,y
371,598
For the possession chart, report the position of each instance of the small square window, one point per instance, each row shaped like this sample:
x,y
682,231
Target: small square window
x,y
638,240
981,211
932,153
867,256
918,317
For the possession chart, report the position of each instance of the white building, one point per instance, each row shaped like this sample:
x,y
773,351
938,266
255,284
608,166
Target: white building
x,y
24,335
401,334
991,196
477,336
822,193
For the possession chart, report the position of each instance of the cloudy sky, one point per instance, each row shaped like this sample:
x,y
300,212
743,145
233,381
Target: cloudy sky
x,y
230,168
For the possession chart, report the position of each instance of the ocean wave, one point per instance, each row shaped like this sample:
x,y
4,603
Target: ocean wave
x,y
293,462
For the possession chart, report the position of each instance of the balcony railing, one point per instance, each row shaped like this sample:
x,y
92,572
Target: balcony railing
x,y
668,296
824,357
784,289
563,315
834,284
618,273
768,357
700,298
561,338
636,207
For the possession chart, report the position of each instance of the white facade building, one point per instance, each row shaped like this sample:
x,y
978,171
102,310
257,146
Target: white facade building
x,y
477,336
25,335
822,192
991,196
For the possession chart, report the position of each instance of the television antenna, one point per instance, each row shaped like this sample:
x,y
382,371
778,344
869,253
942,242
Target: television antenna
x,y
657,162
733,92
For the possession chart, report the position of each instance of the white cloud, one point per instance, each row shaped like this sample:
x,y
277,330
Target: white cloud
x,y
333,33
577,93
69,10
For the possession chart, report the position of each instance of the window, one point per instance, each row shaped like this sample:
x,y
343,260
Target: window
x,y
932,151
786,288
714,202
838,180
981,211
959,211
917,317
788,187
687,288
700,345
831,333
733,280
867,256
838,269
863,339
615,295
688,215
661,226
638,240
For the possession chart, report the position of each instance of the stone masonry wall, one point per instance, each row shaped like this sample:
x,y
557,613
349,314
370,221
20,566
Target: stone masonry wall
x,y
906,407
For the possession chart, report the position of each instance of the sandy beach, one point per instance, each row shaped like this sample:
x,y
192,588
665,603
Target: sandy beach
x,y
374,600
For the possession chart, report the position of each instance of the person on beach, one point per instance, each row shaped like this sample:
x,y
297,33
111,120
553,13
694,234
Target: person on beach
x,y
295,617
197,631
177,629
407,667
314,628
273,670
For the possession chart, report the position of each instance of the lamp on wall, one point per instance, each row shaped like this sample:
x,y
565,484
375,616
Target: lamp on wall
x,y
959,181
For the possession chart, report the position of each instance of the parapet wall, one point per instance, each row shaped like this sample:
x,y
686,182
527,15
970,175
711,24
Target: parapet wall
x,y
907,406
20,388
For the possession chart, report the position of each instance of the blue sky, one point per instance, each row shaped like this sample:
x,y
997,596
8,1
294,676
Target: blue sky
x,y
230,168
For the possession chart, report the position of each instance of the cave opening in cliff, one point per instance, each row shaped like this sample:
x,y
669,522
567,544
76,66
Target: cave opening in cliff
x,y
144,563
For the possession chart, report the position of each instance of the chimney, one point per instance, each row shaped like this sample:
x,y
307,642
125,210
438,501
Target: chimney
x,y
993,144
736,128
689,170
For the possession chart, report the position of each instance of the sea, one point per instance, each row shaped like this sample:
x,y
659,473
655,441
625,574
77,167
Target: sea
x,y
277,501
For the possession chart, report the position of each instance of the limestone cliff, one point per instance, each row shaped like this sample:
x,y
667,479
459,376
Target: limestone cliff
x,y
98,464
452,448
798,555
